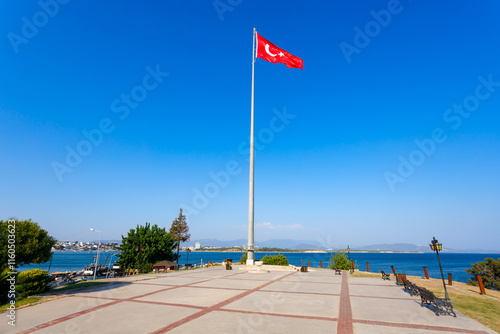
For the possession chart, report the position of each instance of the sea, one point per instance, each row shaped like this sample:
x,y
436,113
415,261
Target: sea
x,y
409,263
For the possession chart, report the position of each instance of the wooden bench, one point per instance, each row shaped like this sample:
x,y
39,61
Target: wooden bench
x,y
412,288
385,276
441,305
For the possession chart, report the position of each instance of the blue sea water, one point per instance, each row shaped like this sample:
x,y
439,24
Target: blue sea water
x,y
409,263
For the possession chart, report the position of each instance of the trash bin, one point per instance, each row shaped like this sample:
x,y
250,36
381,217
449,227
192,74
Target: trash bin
x,y
303,269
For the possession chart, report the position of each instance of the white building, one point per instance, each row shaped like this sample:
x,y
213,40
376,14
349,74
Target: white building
x,y
197,246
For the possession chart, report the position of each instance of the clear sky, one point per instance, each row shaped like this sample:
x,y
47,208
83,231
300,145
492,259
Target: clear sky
x,y
117,113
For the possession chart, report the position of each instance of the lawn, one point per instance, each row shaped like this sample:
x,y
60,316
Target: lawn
x,y
33,300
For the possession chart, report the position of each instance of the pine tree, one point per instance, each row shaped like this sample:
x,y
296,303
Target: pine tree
x,y
145,246
180,232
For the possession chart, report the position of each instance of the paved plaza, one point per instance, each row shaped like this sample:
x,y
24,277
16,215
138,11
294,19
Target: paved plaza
x,y
215,300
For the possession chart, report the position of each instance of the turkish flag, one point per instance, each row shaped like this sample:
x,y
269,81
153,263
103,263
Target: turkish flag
x,y
270,52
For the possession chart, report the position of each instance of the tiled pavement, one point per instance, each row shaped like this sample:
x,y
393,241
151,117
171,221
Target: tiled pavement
x,y
218,301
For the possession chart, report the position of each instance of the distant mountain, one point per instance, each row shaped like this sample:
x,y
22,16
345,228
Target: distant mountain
x,y
311,244
278,243
290,244
216,243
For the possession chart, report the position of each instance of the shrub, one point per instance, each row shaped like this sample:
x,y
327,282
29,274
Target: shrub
x,y
276,260
244,258
339,260
32,282
489,270
4,286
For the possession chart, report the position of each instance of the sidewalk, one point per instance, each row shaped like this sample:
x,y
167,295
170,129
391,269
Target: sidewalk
x,y
214,300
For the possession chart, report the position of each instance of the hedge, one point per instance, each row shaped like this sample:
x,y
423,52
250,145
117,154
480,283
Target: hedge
x,y
32,282
277,260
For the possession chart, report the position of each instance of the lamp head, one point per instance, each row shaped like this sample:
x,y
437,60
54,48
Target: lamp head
x,y
435,245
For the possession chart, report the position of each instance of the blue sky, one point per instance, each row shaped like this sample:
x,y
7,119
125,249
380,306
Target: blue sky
x,y
389,134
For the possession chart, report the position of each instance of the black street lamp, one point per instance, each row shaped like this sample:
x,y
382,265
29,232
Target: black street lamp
x,y
437,247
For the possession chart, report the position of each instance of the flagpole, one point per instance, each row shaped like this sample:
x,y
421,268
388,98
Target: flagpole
x,y
251,257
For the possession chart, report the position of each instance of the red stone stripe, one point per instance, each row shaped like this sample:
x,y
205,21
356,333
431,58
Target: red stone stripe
x,y
216,306
384,285
297,316
77,314
393,298
304,292
66,318
415,326
330,283
166,304
132,300
344,326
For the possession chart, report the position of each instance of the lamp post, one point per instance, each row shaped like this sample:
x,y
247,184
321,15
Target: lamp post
x,y
98,248
349,254
437,247
188,250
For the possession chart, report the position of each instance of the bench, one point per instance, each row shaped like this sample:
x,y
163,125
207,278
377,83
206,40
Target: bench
x,y
338,271
385,276
441,305
412,288
188,266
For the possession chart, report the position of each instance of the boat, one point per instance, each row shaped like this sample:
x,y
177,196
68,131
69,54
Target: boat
x,y
64,278
100,270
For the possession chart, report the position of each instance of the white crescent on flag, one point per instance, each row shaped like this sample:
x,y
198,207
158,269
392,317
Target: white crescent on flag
x,y
269,52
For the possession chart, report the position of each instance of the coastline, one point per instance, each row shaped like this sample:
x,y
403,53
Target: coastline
x,y
307,251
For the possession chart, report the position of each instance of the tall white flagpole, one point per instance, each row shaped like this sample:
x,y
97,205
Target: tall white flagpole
x,y
251,256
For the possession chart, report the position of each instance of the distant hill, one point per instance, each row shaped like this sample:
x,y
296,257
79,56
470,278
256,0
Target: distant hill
x,y
216,243
311,244
278,243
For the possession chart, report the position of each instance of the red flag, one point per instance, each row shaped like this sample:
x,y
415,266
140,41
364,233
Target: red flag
x,y
270,52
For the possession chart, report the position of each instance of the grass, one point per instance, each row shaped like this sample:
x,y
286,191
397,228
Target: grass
x,y
33,300
22,302
79,286
365,274
480,308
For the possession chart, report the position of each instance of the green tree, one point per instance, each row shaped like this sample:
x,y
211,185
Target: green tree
x,y
244,257
180,231
145,246
489,270
32,243
340,260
